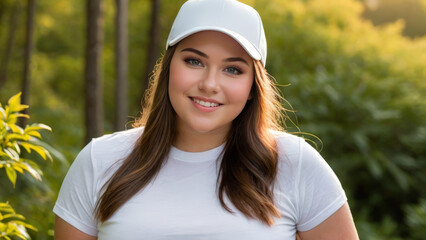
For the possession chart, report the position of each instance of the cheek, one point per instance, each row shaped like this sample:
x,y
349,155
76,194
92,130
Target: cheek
x,y
239,91
180,80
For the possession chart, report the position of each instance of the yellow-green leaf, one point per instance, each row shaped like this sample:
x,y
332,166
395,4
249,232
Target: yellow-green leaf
x,y
34,134
15,99
27,146
36,127
22,115
18,168
12,154
16,137
16,129
11,174
40,151
3,113
33,169
15,103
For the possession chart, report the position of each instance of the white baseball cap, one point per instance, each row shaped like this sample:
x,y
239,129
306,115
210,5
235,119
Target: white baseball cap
x,y
231,17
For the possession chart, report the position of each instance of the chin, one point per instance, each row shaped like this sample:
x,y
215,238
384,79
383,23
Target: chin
x,y
205,129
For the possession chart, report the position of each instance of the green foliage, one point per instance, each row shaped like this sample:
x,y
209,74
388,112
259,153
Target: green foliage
x,y
13,139
362,90
12,224
416,218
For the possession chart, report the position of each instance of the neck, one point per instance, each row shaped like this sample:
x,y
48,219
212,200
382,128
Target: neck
x,y
192,141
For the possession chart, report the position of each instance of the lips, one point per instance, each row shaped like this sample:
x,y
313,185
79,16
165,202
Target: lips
x,y
205,104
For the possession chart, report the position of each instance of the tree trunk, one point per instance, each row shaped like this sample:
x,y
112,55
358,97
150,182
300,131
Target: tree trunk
x,y
9,45
121,110
93,72
154,39
27,61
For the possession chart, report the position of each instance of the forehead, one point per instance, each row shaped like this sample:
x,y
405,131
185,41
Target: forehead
x,y
215,41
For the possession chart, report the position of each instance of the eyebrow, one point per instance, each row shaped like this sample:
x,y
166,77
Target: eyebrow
x,y
236,59
195,51
198,52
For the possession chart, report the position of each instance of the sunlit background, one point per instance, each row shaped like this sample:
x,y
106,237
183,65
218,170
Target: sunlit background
x,y
353,71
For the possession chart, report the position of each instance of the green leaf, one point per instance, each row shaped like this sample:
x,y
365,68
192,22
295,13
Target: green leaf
x,y
21,115
58,155
15,103
40,151
34,134
16,147
23,234
15,99
17,137
12,154
13,215
11,174
36,127
16,129
2,113
2,153
32,168
18,168
5,207
27,146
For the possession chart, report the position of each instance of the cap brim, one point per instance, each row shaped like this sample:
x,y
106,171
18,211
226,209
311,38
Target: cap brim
x,y
248,47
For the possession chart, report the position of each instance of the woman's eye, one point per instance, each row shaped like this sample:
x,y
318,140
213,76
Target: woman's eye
x,y
233,70
193,61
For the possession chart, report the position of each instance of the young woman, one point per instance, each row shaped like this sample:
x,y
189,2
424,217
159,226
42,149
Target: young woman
x,y
207,159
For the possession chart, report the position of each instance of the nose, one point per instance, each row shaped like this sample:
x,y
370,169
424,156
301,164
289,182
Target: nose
x,y
209,82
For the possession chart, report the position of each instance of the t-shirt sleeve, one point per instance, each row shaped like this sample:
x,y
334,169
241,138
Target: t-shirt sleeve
x,y
77,197
320,193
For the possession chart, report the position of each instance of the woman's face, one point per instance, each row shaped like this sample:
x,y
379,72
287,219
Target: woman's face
x,y
210,80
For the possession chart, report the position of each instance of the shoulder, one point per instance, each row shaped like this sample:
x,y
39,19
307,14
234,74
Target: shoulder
x,y
117,141
294,148
308,189
287,140
111,148
298,159
119,137
290,147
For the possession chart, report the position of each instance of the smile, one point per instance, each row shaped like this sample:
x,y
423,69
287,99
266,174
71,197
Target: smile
x,y
204,103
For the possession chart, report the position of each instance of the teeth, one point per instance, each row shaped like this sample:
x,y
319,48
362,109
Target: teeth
x,y
205,104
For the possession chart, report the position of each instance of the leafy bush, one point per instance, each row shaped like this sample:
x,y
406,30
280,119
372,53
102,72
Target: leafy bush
x,y
362,90
12,224
14,139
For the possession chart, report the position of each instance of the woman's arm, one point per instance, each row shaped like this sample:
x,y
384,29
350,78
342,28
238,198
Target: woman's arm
x,y
339,226
65,231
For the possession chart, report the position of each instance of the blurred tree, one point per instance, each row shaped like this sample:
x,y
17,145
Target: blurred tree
x,y
121,109
29,42
93,72
9,45
153,43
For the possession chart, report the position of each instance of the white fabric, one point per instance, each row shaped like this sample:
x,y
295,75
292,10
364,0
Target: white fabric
x,y
181,203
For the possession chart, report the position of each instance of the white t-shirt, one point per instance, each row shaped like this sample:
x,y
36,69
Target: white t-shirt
x,y
182,203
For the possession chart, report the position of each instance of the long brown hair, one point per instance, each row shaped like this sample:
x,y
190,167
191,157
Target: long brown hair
x,y
249,165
